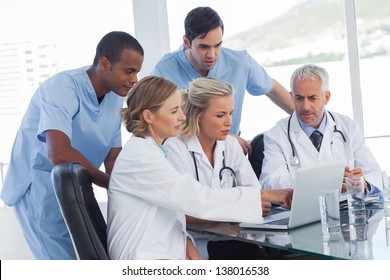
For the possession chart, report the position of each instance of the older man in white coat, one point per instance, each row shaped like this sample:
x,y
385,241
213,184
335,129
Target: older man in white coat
x,y
288,145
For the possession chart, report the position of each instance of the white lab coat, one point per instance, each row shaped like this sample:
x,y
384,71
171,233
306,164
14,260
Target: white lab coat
x,y
147,200
180,155
277,171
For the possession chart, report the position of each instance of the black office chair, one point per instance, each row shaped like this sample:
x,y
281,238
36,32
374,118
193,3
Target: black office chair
x,y
72,185
257,155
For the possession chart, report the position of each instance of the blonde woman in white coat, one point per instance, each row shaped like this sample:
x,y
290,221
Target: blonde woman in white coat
x,y
148,198
342,137
205,150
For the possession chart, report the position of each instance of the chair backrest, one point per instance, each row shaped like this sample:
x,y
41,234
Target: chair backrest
x,y
257,155
72,185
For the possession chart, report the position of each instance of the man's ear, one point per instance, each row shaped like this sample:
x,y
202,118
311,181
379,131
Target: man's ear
x,y
186,42
104,63
327,96
291,96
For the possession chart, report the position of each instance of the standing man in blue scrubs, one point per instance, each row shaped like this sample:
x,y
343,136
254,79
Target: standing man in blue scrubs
x,y
72,117
202,55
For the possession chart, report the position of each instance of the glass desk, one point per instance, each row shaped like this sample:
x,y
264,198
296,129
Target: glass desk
x,y
368,242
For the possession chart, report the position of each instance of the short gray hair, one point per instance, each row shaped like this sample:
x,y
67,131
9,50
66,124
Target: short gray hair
x,y
310,72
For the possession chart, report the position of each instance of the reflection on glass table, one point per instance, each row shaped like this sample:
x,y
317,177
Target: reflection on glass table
x,y
370,240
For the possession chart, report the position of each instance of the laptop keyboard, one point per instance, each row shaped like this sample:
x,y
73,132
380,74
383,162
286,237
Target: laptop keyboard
x,y
283,221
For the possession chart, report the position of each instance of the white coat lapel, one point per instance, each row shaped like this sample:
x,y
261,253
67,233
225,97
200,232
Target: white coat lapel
x,y
304,146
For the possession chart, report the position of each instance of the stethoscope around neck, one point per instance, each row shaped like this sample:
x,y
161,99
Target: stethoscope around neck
x,y
221,172
294,160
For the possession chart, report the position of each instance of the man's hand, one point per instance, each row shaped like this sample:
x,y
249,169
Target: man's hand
x,y
246,147
352,172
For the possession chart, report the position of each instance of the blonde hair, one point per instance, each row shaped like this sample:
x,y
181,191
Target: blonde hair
x,y
149,93
196,101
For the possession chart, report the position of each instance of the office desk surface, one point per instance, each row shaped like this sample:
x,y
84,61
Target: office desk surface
x,y
370,241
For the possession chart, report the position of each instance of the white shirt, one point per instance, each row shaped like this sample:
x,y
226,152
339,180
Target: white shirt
x,y
147,200
278,172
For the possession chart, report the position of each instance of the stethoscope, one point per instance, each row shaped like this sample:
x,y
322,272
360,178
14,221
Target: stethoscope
x,y
221,172
294,160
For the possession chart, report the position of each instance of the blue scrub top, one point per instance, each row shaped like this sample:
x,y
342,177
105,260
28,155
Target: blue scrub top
x,y
237,68
66,102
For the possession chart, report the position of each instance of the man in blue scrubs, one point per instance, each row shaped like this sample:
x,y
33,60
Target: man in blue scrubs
x,y
202,55
72,117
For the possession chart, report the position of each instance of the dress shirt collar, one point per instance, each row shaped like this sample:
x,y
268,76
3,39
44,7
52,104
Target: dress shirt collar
x,y
308,129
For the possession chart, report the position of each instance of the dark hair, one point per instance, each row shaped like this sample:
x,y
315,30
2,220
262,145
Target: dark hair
x,y
112,45
200,21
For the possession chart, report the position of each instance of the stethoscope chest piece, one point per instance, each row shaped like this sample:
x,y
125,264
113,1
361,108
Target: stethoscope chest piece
x,y
294,160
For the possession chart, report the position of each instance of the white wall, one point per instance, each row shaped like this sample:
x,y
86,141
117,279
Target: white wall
x,y
13,246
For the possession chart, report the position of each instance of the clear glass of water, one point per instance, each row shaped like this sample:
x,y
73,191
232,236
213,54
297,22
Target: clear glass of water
x,y
386,206
386,203
330,213
355,196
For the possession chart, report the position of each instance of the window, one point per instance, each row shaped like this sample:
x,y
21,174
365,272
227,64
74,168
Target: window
x,y
373,26
280,36
299,32
63,34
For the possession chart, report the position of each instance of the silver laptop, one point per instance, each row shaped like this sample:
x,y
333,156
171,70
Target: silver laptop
x,y
305,205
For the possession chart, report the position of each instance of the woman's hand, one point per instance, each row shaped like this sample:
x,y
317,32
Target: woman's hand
x,y
281,197
191,251
266,205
